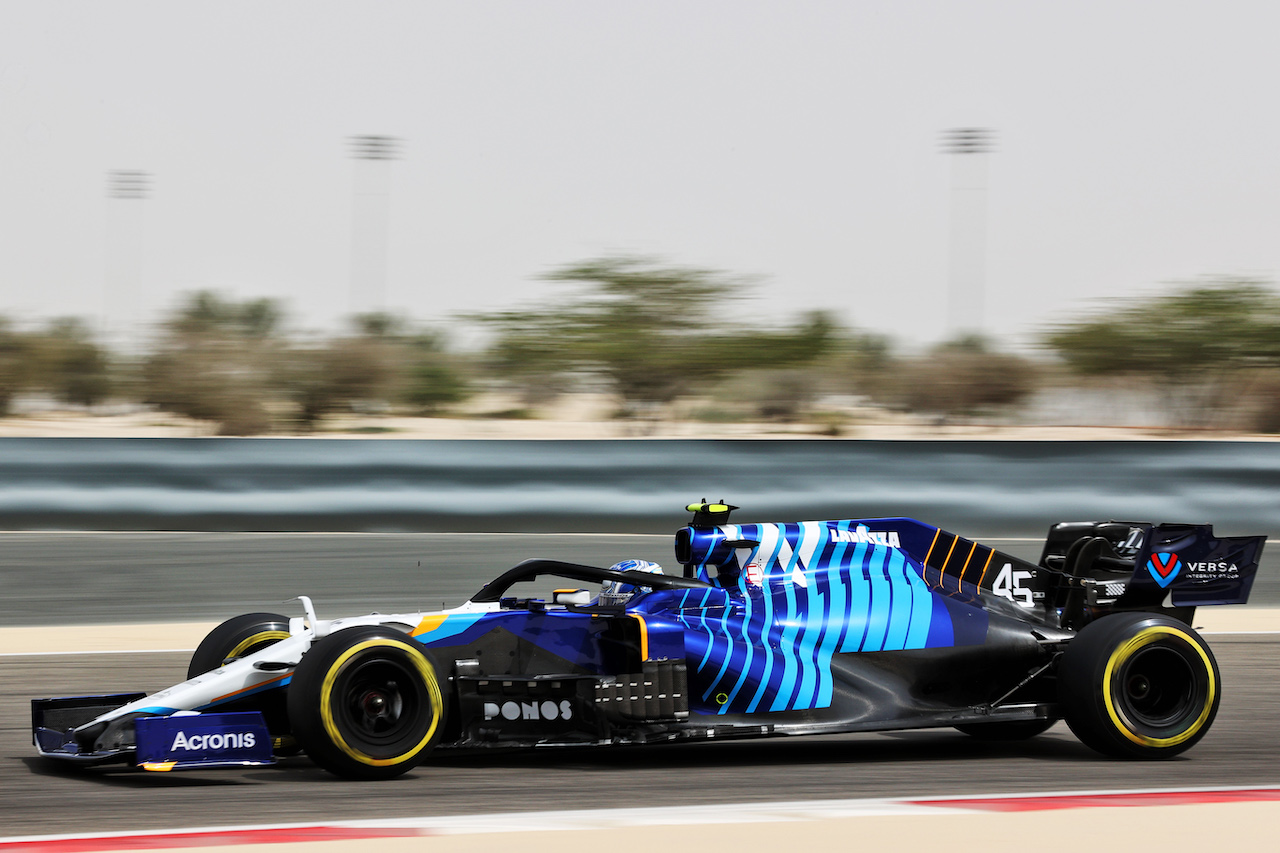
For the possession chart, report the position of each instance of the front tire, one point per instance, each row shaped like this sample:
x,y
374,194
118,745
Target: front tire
x,y
1139,685
235,638
365,703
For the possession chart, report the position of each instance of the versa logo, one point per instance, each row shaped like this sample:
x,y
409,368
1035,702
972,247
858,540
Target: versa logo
x,y
1164,568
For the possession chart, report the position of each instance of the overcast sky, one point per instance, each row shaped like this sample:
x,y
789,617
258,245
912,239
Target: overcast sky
x,y
1138,143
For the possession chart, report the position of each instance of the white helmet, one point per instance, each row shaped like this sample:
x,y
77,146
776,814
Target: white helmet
x,y
616,592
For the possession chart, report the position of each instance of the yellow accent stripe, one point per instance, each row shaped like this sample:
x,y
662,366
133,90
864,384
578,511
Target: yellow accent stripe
x,y
644,636
420,663
985,566
1146,637
160,766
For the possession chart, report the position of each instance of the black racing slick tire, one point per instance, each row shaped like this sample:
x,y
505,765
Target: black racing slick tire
x,y
1006,730
365,703
1139,685
236,638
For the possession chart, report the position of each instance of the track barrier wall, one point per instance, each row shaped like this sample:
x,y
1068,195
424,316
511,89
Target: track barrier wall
x,y
982,488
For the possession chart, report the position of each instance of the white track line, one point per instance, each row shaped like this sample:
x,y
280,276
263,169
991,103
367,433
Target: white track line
x,y
94,652
189,651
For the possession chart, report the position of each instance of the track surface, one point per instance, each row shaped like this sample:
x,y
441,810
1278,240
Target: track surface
x,y
35,797
112,578
38,798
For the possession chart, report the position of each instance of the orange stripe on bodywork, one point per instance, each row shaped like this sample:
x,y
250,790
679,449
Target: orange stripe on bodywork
x,y
936,534
985,566
967,559
942,571
644,636
252,687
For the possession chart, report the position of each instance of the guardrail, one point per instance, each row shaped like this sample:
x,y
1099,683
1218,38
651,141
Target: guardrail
x,y
982,488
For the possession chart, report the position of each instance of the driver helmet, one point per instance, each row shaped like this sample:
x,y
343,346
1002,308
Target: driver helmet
x,y
614,592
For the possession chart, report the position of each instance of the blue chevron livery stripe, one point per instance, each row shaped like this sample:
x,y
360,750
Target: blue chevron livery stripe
x,y
791,597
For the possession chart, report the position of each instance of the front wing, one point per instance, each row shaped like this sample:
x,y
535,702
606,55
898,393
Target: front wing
x,y
185,740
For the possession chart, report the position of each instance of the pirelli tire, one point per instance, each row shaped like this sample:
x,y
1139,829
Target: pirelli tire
x,y
235,638
366,703
1139,685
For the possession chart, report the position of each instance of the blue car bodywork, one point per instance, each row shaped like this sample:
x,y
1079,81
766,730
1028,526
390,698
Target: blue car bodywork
x,y
773,628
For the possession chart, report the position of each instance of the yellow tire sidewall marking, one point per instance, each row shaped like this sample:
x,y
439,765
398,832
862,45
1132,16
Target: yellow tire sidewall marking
x,y
424,669
1126,650
253,640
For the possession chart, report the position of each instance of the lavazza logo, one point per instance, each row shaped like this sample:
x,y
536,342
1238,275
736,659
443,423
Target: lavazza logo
x,y
221,740
863,536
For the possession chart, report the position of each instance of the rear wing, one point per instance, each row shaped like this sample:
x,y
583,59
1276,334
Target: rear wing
x,y
1178,565
1087,568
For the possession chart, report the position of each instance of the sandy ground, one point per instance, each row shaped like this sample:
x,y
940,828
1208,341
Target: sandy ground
x,y
166,636
588,420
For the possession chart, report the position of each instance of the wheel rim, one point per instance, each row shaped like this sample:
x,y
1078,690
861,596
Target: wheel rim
x,y
380,706
380,702
1161,687
254,642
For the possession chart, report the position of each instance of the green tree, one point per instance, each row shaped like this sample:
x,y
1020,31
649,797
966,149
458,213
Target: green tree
x,y
15,364
379,366
960,377
69,364
219,361
1200,346
652,332
432,377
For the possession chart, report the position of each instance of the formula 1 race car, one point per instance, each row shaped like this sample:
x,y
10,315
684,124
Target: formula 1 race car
x,y
773,629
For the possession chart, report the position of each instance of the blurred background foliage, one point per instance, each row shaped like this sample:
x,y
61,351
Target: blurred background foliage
x,y
1209,350
665,342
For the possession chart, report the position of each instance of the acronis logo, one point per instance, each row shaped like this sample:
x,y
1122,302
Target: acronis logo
x,y
228,740
1164,568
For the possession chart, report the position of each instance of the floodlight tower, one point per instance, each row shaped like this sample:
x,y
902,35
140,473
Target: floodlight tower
x,y
122,286
370,219
966,296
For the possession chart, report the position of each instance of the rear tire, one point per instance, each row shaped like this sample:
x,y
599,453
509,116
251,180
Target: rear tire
x,y
365,703
1139,685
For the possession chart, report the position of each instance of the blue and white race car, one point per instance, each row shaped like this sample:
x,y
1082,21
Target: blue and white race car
x,y
771,629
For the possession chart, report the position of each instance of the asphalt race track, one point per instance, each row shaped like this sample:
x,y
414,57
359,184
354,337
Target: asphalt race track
x,y
38,797
52,578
